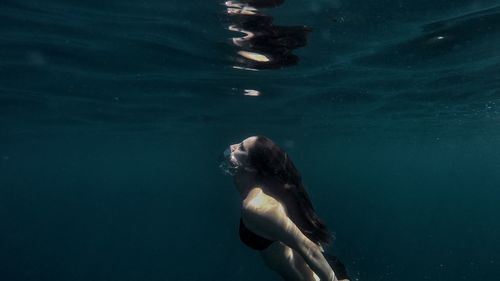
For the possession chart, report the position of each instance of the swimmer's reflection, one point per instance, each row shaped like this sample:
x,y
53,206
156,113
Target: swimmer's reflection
x,y
264,45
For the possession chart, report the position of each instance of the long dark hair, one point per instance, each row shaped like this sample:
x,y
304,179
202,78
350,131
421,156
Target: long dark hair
x,y
277,169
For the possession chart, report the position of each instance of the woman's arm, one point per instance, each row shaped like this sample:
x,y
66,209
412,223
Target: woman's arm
x,y
310,251
267,217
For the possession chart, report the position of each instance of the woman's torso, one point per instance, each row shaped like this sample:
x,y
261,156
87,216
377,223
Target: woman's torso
x,y
279,257
249,233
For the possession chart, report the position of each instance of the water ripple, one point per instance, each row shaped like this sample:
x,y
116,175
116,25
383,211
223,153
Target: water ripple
x,y
158,64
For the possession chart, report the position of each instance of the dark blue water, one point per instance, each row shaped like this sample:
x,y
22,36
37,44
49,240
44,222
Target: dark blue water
x,y
113,115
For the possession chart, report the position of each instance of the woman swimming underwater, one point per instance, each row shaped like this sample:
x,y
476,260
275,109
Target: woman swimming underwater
x,y
277,216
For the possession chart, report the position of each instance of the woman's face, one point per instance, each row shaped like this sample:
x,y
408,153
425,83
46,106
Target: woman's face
x,y
236,157
240,150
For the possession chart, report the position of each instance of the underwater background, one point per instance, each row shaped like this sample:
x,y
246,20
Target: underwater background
x,y
113,115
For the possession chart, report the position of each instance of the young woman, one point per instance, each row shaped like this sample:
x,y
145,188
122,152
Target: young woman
x,y
277,217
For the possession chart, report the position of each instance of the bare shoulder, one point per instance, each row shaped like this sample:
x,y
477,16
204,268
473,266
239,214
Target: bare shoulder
x,y
259,202
267,216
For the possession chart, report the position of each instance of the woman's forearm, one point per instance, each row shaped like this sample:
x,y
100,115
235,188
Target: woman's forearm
x,y
317,262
